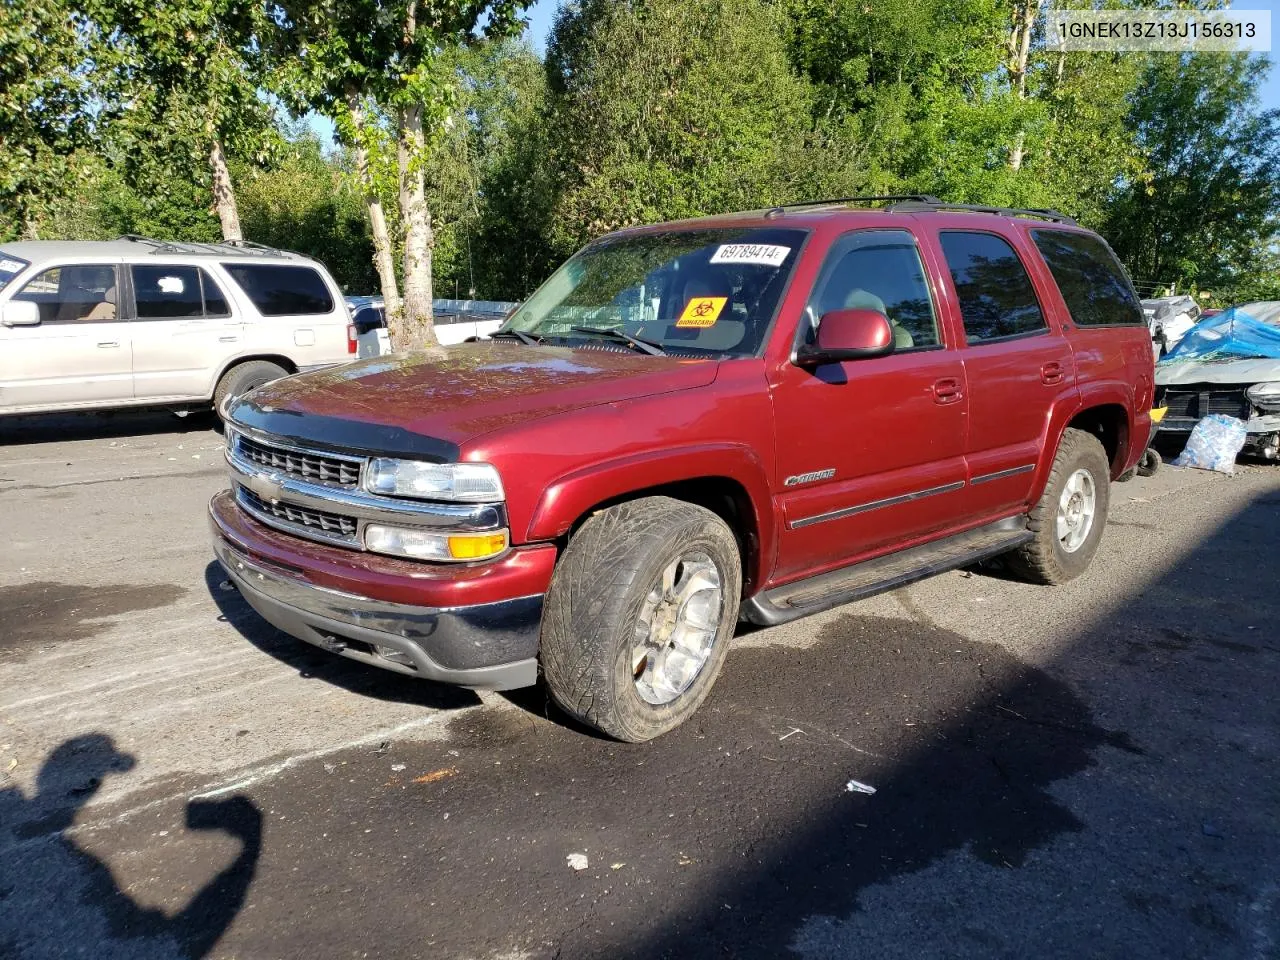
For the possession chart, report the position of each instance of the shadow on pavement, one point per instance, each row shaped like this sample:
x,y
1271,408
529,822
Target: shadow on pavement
x,y
49,427
322,666
57,899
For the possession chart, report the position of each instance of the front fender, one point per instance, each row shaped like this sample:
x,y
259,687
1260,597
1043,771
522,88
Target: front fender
x,y
571,496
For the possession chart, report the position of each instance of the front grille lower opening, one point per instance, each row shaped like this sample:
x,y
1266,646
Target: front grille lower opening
x,y
320,520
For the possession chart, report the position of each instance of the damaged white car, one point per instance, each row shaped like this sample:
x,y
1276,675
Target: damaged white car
x,y
1228,364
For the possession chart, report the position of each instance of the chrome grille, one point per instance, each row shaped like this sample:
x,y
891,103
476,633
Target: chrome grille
x,y
1192,404
304,520
306,465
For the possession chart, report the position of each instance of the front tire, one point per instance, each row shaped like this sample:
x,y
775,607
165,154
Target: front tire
x,y
639,616
1072,512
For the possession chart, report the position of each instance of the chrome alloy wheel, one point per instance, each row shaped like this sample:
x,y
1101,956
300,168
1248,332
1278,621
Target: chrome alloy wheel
x,y
676,628
1076,509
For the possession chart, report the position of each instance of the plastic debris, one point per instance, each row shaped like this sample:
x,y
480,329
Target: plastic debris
x,y
577,861
1214,444
397,767
616,866
857,786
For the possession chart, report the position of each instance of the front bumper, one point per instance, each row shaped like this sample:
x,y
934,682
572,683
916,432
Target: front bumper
x,y
489,645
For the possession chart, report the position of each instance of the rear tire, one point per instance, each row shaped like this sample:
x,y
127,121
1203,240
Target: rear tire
x,y
1072,512
639,616
244,377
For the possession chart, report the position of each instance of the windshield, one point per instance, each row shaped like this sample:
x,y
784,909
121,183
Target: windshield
x,y
10,267
686,291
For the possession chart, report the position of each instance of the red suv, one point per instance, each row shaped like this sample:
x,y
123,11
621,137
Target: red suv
x,y
755,416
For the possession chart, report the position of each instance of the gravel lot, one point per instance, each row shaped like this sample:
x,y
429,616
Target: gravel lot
x,y
1082,771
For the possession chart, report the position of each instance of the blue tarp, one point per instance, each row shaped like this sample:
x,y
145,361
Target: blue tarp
x,y
1233,334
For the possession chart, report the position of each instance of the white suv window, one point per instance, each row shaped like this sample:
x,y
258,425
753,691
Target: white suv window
x,y
282,291
73,294
176,292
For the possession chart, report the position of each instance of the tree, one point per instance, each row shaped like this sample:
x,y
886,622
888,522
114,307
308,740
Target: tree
x,y
666,109
193,73
1206,206
397,55
45,96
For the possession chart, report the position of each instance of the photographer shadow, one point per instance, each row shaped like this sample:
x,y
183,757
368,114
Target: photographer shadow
x,y
56,898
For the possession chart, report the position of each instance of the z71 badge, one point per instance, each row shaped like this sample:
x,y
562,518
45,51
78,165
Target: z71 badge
x,y
800,478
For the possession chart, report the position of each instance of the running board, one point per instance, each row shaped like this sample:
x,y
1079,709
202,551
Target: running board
x,y
803,597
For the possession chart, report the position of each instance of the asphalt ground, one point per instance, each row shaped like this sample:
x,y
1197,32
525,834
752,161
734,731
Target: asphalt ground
x,y
1082,771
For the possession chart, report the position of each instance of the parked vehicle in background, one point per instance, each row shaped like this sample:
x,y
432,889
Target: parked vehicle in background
x,y
456,321
1169,319
139,322
1230,364
755,416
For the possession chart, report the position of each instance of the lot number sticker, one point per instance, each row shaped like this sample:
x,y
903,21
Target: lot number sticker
x,y
765,254
9,266
702,312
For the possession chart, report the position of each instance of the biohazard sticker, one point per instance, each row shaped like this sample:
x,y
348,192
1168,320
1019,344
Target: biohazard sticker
x,y
765,254
701,312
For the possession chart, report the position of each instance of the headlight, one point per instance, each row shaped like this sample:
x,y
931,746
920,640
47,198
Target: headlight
x,y
419,544
467,482
1265,395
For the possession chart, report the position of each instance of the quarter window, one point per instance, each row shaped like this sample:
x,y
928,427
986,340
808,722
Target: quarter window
x,y
73,294
1090,278
279,291
878,270
995,293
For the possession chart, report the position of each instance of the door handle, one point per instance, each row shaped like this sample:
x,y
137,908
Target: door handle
x,y
108,343
946,390
1052,372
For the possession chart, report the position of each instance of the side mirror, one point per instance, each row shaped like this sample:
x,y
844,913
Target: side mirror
x,y
20,313
854,334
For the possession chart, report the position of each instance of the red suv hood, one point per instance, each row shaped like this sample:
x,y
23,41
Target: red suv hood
x,y
472,390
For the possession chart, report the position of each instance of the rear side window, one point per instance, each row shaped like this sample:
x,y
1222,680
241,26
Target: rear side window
x,y
1091,280
996,297
279,291
176,293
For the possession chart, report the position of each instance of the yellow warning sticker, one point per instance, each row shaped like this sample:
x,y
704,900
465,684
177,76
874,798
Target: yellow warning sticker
x,y
702,312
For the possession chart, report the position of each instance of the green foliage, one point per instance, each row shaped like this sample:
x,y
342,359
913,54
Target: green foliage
x,y
45,93
1205,207
311,203
670,109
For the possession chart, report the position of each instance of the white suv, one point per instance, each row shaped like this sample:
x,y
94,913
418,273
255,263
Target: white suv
x,y
138,322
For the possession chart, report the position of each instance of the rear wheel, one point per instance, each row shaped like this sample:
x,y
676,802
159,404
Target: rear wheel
x,y
244,377
639,616
1072,512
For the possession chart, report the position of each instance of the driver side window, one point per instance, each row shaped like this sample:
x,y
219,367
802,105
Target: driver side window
x,y
878,270
73,294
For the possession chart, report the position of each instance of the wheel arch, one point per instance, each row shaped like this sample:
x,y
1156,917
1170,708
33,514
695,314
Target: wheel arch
x,y
729,481
277,358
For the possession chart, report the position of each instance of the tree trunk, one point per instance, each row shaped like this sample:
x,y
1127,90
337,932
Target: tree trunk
x,y
383,259
224,195
416,330
1019,47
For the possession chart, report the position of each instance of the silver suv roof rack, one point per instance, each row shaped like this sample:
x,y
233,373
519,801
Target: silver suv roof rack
x,y
191,247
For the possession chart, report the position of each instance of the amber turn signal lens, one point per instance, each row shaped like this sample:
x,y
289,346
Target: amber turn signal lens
x,y
477,546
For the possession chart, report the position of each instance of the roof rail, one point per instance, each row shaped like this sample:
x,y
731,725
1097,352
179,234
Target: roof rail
x,y
934,204
884,198
194,248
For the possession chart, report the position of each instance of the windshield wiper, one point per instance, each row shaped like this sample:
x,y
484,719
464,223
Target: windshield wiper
x,y
648,346
517,334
